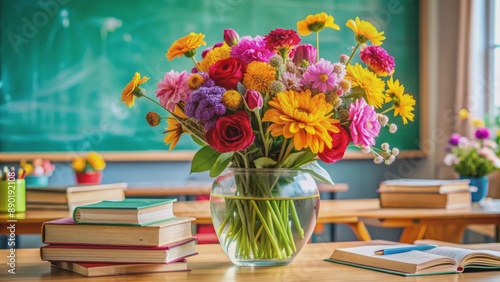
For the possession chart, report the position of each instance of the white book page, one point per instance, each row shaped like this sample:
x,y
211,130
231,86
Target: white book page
x,y
458,254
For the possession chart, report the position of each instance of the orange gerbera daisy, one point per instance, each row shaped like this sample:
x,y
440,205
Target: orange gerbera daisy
x,y
304,118
185,46
315,23
132,89
365,31
174,129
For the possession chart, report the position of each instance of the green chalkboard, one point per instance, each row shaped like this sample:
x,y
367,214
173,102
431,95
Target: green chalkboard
x,y
64,63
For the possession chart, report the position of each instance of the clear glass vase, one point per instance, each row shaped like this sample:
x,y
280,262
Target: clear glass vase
x,y
263,217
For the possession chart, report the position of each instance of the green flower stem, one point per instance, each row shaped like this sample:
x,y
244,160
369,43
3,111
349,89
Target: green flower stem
x,y
147,97
317,46
296,221
196,64
386,111
279,226
266,227
352,54
264,136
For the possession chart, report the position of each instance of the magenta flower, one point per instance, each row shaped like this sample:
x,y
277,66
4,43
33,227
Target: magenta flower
x,y
322,76
251,49
281,39
364,123
303,52
253,99
378,60
173,89
482,133
454,139
231,37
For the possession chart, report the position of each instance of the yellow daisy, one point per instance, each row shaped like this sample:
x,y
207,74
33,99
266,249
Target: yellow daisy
x,y
463,114
128,95
365,31
215,55
477,122
185,46
403,103
307,120
78,164
174,129
96,161
372,85
259,76
315,23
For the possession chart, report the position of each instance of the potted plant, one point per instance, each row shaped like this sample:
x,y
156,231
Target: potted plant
x,y
88,170
37,172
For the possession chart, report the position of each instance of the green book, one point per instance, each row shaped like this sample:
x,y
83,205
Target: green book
x,y
440,260
131,211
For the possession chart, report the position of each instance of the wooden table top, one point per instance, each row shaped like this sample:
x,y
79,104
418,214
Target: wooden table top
x,y
212,265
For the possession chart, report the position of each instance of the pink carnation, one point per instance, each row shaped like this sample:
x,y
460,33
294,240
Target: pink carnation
x,y
364,123
173,89
378,60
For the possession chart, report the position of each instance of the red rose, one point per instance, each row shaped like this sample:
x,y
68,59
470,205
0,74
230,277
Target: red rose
x,y
227,73
340,141
231,133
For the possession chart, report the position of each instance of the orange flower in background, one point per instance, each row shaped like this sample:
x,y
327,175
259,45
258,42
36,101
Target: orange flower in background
x,y
186,45
365,31
307,120
128,95
315,23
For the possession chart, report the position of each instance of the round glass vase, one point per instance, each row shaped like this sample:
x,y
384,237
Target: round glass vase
x,y
263,217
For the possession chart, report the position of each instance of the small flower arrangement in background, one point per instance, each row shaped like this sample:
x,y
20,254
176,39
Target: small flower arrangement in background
x,y
37,172
88,169
477,156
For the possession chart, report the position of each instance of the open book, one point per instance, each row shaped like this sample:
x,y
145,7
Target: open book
x,y
440,260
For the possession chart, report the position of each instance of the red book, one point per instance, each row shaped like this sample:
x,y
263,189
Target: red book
x,y
119,254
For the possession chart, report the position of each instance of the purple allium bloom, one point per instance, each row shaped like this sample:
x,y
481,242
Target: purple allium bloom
x,y
251,49
207,81
482,133
364,123
205,105
454,139
291,81
322,76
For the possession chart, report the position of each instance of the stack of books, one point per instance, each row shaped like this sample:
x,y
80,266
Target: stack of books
x,y
425,193
67,198
120,237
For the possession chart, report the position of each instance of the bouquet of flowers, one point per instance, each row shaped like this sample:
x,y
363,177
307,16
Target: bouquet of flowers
x,y
88,169
272,102
477,156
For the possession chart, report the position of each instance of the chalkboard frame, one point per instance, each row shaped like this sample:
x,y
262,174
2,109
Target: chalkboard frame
x,y
187,155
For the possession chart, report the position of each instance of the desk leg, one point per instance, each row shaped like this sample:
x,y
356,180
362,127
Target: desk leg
x,y
412,233
359,228
449,233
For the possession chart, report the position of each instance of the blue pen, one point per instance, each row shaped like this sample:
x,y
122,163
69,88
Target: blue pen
x,y
391,251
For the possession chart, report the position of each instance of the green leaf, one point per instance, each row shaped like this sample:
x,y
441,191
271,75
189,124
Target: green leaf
x,y
241,88
197,140
222,162
298,159
318,172
204,159
264,162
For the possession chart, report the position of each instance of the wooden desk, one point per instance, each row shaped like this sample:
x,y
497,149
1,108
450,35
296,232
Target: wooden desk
x,y
212,265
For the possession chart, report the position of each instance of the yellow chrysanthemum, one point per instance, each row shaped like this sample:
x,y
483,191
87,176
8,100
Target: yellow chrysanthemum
x,y
403,103
79,164
365,31
195,81
215,55
28,168
174,129
128,95
185,46
477,122
304,118
96,161
315,23
463,114
259,76
372,85
232,99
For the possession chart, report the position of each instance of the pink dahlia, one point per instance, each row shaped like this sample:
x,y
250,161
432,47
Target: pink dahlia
x,y
251,49
378,60
364,123
173,89
322,76
279,39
